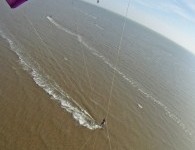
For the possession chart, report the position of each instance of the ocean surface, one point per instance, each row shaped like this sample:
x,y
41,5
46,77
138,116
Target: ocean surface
x,y
57,63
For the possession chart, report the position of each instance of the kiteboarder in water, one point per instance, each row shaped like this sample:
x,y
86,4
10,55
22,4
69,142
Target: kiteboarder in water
x,y
103,122
98,1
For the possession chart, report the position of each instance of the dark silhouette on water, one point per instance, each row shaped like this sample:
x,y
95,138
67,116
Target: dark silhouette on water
x,y
103,122
98,1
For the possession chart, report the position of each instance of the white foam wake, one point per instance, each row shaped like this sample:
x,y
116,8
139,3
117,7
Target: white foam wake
x,y
140,106
51,87
99,27
60,27
128,79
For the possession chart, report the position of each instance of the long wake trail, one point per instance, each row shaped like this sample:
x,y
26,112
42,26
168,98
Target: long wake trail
x,y
130,80
50,86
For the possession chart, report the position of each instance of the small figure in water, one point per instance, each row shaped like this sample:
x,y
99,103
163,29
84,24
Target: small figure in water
x,y
98,1
103,123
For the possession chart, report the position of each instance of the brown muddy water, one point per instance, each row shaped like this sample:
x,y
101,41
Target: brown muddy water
x,y
57,60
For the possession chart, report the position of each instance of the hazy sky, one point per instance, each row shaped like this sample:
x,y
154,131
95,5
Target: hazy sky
x,y
174,19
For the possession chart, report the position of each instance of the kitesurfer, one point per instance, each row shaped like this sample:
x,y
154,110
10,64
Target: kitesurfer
x,y
103,122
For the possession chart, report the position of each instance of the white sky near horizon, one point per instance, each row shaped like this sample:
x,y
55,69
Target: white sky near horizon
x,y
174,19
